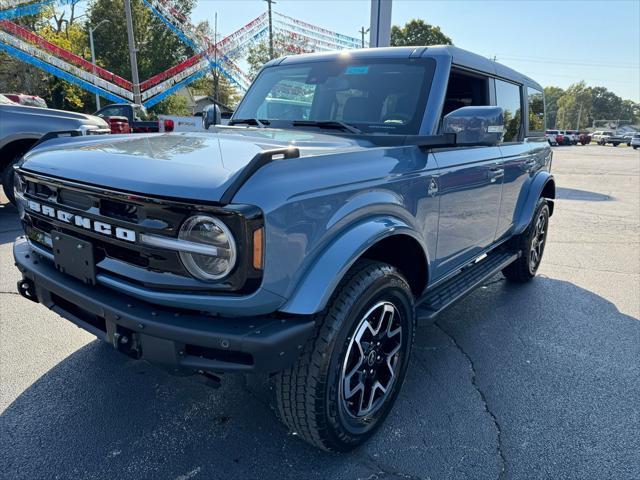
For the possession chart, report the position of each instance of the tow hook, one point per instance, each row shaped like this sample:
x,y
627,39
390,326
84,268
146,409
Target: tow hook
x,y
27,289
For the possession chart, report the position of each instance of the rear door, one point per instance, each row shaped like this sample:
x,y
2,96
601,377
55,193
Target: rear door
x,y
518,156
469,184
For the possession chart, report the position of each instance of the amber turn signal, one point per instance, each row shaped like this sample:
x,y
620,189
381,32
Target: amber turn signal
x,y
257,248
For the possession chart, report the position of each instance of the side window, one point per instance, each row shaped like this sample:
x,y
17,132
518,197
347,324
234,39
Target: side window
x,y
465,90
508,97
112,112
536,110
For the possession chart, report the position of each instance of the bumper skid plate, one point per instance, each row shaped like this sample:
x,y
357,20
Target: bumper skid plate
x,y
174,338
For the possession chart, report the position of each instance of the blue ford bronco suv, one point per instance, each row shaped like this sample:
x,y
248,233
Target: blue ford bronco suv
x,y
353,196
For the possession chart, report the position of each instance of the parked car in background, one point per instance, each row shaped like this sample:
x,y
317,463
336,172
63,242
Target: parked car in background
x,y
584,138
28,100
627,138
600,136
635,140
139,120
305,244
118,125
22,126
573,136
613,139
551,136
562,138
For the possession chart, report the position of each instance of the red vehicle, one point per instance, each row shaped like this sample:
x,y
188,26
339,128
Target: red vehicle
x,y
584,138
28,100
118,124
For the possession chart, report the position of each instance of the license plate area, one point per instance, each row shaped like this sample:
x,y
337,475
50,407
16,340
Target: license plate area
x,y
74,257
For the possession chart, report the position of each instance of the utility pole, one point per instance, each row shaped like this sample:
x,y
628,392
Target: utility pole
x,y
579,115
216,71
269,2
132,53
380,27
362,33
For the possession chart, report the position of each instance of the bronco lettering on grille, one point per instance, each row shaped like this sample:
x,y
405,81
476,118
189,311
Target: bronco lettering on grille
x,y
84,222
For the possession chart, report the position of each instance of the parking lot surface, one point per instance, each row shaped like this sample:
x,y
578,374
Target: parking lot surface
x,y
523,382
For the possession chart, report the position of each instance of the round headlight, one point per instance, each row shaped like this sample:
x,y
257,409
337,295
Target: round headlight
x,y
209,232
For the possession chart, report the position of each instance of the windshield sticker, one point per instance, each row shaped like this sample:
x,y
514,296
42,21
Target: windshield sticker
x,y
357,70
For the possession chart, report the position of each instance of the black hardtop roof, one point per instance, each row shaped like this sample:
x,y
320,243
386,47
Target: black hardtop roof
x,y
459,57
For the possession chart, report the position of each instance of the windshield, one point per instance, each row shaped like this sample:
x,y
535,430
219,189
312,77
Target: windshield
x,y
383,96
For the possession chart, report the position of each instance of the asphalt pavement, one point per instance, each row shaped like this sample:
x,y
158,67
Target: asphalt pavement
x,y
540,381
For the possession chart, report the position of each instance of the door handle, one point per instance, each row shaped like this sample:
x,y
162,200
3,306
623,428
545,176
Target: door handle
x,y
495,173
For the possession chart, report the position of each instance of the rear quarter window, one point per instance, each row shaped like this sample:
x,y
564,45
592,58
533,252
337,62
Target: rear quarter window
x,y
535,122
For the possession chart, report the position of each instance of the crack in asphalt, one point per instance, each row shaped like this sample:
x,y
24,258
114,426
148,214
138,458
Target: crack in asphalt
x,y
383,472
503,460
10,293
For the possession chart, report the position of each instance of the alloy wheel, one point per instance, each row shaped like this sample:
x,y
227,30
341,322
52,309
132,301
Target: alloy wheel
x,y
372,361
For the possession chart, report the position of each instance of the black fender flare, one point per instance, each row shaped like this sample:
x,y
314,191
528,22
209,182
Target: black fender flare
x,y
542,185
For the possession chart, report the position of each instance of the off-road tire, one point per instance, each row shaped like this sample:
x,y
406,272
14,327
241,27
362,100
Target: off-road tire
x,y
521,271
308,394
7,180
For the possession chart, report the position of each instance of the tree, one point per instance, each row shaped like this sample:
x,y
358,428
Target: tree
x,y
158,47
575,106
258,53
551,96
418,33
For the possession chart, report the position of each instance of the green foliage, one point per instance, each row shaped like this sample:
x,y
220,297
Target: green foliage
x,y
158,47
258,53
418,33
551,96
172,105
589,104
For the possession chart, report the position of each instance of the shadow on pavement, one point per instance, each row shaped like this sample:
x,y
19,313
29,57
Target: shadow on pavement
x,y
582,195
543,375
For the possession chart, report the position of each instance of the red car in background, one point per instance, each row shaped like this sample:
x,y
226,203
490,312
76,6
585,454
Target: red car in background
x,y
28,100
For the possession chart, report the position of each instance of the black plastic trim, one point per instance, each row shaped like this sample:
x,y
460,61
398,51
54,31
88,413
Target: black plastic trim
x,y
161,334
256,163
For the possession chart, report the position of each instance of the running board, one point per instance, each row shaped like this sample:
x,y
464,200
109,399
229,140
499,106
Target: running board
x,y
469,278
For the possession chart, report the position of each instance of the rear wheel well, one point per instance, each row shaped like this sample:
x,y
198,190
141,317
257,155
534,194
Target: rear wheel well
x,y
549,192
14,149
406,254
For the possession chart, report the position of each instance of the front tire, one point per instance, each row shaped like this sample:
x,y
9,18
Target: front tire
x,y
345,382
531,244
7,180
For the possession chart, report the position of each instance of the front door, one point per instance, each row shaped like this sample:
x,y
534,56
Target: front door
x,y
469,186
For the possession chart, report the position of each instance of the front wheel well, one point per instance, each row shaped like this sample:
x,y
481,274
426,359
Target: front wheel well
x,y
15,149
406,254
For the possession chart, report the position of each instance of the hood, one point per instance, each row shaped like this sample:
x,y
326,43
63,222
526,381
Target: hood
x,y
187,166
56,115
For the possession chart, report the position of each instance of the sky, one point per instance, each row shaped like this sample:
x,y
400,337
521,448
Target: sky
x,y
554,42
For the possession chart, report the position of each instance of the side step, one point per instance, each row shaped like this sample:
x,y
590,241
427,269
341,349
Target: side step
x,y
469,278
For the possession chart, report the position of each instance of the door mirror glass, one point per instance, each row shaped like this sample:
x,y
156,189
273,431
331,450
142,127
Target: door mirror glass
x,y
475,125
210,116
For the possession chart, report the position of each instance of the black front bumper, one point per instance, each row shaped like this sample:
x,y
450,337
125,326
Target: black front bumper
x,y
180,339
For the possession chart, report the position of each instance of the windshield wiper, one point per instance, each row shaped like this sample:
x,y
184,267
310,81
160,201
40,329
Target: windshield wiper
x,y
250,121
327,124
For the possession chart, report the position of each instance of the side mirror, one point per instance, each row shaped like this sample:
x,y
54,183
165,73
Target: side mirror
x,y
475,125
210,116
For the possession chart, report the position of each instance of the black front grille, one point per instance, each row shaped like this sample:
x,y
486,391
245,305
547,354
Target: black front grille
x,y
143,215
73,199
